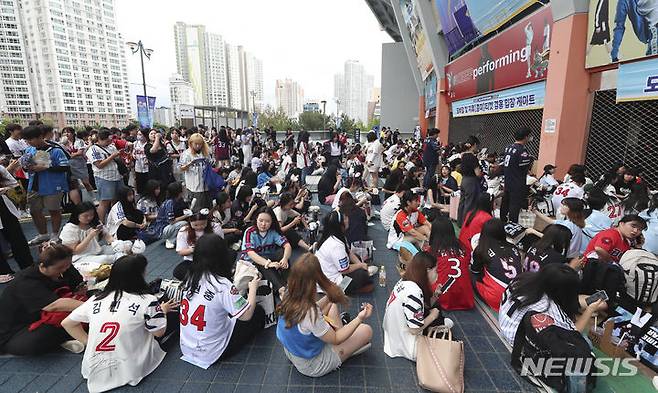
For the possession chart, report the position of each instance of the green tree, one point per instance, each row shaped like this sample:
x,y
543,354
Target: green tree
x,y
312,121
373,123
276,119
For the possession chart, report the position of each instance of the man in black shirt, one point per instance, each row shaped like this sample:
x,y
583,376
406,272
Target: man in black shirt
x,y
516,164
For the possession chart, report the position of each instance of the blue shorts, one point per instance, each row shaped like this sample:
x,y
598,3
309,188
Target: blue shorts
x,y
107,190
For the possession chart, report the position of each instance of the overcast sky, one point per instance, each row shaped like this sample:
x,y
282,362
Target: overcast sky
x,y
305,40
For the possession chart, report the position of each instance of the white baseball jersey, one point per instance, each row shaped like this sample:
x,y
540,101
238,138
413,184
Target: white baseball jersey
x,y
405,310
566,190
121,349
207,317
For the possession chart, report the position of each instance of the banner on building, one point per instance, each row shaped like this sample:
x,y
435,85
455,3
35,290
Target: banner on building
x,y
489,15
456,24
418,38
520,98
430,92
512,58
638,81
145,110
620,30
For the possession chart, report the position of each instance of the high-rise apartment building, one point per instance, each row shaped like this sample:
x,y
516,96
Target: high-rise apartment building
x,y
181,93
221,74
73,58
15,92
353,89
289,97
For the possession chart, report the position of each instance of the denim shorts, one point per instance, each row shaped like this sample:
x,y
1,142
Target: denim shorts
x,y
107,190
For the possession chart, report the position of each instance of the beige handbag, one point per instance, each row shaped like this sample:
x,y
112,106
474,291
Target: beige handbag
x,y
440,361
244,272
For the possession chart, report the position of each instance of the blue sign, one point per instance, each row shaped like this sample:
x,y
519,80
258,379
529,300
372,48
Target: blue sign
x,y
638,81
145,110
520,98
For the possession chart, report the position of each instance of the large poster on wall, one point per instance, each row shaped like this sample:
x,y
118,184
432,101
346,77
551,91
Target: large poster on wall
x,y
489,15
510,59
418,38
456,24
430,92
620,30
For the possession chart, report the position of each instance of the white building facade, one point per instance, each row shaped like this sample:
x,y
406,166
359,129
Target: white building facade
x,y
353,89
164,115
181,93
76,61
289,97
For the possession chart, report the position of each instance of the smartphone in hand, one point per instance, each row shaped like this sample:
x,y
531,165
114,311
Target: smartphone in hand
x,y
600,295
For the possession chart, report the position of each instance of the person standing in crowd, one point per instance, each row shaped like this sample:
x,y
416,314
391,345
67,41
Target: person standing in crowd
x,y
222,152
17,146
431,153
134,319
470,185
10,227
193,163
141,163
47,166
33,292
314,338
374,159
216,322
333,150
303,155
516,164
77,164
160,165
175,147
246,142
102,156
441,186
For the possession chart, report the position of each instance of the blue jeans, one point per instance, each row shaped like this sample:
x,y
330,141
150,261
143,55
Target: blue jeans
x,y
644,33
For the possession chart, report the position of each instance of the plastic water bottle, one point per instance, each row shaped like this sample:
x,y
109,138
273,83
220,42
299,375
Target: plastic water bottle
x,y
382,276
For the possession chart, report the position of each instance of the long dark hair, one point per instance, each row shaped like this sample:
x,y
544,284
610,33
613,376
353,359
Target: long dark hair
x,y
555,236
638,199
556,280
191,233
333,224
210,257
129,208
83,208
482,204
492,237
275,222
416,271
443,239
576,212
149,191
330,173
127,275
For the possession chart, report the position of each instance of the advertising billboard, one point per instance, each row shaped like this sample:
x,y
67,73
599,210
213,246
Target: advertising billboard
x,y
456,24
417,37
145,110
510,59
620,30
430,92
638,81
489,15
520,98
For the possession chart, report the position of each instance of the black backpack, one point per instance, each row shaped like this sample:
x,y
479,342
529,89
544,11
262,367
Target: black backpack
x,y
540,343
609,276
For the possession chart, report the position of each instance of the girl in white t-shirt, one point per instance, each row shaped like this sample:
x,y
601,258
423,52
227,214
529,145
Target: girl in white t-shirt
x,y
193,162
82,234
407,311
337,260
216,322
124,322
197,225
313,336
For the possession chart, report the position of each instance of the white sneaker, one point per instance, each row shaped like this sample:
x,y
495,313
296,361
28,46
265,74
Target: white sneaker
x,y
38,239
370,224
73,346
372,270
169,244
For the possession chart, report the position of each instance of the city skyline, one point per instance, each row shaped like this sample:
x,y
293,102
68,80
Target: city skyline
x,y
317,51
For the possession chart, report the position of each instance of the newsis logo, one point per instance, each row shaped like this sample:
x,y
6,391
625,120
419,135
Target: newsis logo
x,y
556,367
512,57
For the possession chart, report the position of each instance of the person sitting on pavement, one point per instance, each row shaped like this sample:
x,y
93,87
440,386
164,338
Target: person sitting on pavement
x,y
474,221
409,223
216,322
170,218
124,321
33,292
197,225
124,220
313,335
289,219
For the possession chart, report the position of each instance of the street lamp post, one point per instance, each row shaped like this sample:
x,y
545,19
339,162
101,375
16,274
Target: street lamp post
x,y
324,115
139,47
337,111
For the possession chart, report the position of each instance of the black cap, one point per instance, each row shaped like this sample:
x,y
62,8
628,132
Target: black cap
x,y
549,167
